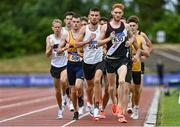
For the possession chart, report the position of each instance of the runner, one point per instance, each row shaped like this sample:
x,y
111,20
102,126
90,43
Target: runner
x,y
74,67
136,66
93,64
56,48
84,21
66,91
103,20
118,38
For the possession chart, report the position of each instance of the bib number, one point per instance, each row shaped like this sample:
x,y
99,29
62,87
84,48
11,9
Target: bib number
x,y
93,45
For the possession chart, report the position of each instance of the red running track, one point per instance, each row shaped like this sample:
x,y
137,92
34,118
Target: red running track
x,y
37,107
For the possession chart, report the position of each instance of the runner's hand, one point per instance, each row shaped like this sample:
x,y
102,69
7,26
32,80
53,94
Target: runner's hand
x,y
134,59
112,34
128,44
93,36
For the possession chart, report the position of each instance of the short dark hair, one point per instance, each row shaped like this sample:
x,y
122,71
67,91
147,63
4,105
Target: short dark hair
x,y
76,16
133,18
103,19
84,18
94,9
69,13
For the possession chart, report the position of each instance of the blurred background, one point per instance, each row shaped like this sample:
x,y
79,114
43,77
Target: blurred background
x,y
25,25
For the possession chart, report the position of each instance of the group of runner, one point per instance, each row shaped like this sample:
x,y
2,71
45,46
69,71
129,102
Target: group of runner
x,y
98,58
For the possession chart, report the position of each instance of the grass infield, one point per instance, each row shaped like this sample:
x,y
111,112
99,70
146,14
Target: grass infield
x,y
169,109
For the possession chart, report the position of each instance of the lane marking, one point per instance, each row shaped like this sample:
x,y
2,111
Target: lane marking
x,y
27,102
151,117
17,93
179,98
22,97
72,121
174,49
167,55
29,113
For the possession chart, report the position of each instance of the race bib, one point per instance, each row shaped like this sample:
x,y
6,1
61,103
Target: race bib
x,y
119,38
56,54
117,41
74,57
93,45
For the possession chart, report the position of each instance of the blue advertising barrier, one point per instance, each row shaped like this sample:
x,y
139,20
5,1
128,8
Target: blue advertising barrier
x,y
169,78
29,80
26,80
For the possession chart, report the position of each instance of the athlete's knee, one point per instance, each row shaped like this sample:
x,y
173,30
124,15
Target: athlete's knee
x,y
63,81
121,82
97,81
111,89
90,85
137,90
73,91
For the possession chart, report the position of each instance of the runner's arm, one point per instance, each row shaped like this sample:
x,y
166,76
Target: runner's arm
x,y
101,40
65,44
132,41
145,49
49,47
79,42
148,42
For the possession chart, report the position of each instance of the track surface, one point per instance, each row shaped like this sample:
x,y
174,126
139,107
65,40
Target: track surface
x,y
37,107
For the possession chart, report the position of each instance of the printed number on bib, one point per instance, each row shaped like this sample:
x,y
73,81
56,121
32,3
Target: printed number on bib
x,y
93,45
74,57
117,40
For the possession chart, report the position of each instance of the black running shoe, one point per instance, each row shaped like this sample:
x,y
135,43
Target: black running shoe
x,y
76,116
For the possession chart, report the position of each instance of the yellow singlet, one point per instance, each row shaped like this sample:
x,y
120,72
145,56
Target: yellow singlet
x,y
136,66
72,51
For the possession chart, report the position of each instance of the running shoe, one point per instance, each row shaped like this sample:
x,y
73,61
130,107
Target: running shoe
x,y
102,115
60,114
81,110
113,109
122,119
76,116
96,114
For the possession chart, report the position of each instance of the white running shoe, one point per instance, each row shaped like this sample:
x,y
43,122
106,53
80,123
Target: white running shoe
x,y
96,114
91,110
60,114
135,114
81,110
129,110
71,106
88,107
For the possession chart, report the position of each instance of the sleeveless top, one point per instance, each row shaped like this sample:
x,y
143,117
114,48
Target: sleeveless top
x,y
136,66
92,53
57,60
116,48
72,51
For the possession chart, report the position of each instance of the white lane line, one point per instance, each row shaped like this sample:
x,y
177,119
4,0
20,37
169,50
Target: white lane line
x,y
167,55
27,102
72,121
179,98
174,49
29,113
21,97
10,93
151,117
